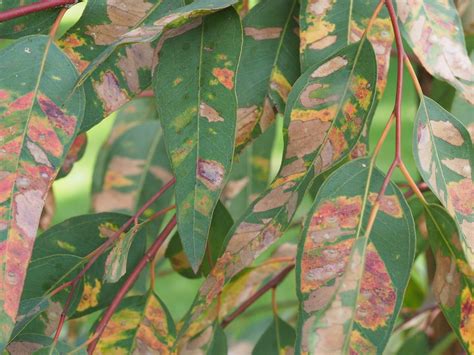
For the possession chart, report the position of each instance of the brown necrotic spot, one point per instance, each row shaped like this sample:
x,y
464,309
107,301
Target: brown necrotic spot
x,y
28,206
138,56
447,280
109,91
304,137
447,132
210,173
263,33
329,67
57,116
460,166
210,113
461,194
388,204
247,119
224,76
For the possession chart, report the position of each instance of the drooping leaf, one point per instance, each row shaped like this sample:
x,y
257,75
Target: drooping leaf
x,y
220,225
211,341
59,254
351,280
106,82
445,158
250,174
37,128
279,338
453,281
135,166
196,102
38,22
76,151
127,72
323,120
141,325
242,287
433,30
268,67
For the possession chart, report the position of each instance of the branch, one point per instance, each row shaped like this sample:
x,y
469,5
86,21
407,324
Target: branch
x,y
31,8
148,257
270,285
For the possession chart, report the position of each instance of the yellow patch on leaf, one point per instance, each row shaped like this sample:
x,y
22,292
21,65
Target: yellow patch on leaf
x,y
89,296
225,77
466,325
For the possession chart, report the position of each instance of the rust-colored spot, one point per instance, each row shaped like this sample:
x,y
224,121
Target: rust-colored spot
x,y
259,34
446,131
388,204
247,118
210,113
225,77
268,115
109,91
466,325
275,198
68,45
329,67
56,115
447,280
210,173
304,137
461,194
361,345
361,90
20,104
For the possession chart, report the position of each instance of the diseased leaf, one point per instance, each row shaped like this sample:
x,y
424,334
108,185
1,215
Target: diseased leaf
x,y
38,22
351,281
250,174
37,128
141,325
279,338
243,286
268,67
76,151
59,254
195,96
453,281
220,225
445,158
133,166
211,341
324,117
127,72
106,81
39,344
434,31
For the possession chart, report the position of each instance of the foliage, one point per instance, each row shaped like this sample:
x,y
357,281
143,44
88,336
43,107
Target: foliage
x,y
202,95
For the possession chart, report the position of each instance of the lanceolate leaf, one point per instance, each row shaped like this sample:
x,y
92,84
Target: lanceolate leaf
x,y
434,31
135,166
128,70
169,24
453,283
351,281
250,174
445,158
328,26
141,325
195,95
268,68
59,254
323,120
36,129
279,338
39,22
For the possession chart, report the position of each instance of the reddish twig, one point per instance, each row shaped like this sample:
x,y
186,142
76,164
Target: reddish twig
x,y
100,250
148,257
35,7
270,285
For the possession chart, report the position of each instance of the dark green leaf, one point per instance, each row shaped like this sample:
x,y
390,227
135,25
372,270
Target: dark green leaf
x,y
279,338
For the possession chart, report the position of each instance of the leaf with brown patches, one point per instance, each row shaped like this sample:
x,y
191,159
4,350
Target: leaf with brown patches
x,y
198,114
352,281
37,127
265,83
453,283
141,325
124,179
434,31
76,151
444,156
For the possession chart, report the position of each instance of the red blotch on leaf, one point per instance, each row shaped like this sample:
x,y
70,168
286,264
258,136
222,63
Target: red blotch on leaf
x,y
22,103
56,115
225,77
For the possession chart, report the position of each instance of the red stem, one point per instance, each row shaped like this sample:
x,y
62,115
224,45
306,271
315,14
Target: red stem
x,y
31,8
271,284
148,257
98,252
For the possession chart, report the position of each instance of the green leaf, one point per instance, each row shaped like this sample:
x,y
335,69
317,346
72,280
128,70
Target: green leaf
x,y
35,23
445,158
279,338
220,225
250,174
134,166
434,32
141,324
415,344
37,128
195,96
319,132
268,67
101,65
59,254
127,72
351,281
211,341
453,281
